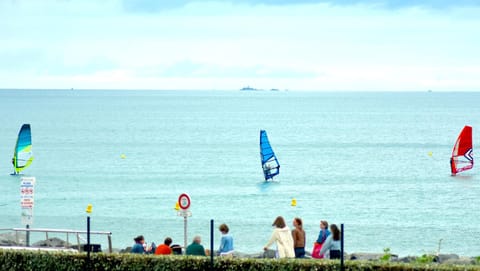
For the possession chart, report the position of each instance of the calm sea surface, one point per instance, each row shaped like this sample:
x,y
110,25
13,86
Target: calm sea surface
x,y
361,159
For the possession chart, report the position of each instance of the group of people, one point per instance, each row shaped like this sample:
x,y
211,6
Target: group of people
x,y
140,247
195,248
291,244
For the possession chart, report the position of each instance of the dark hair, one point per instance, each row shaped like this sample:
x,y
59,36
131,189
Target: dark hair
x,y
335,232
223,228
279,222
298,221
138,239
167,241
324,222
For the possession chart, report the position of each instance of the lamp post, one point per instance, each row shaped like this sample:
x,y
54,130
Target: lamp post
x,y
89,211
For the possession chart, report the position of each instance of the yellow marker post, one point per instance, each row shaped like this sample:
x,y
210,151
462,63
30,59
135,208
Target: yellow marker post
x,y
294,202
89,247
177,206
89,209
123,156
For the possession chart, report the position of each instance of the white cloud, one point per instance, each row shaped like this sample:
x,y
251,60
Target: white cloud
x,y
85,44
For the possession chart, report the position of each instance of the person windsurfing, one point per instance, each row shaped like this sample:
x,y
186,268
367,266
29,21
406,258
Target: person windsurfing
x,y
452,166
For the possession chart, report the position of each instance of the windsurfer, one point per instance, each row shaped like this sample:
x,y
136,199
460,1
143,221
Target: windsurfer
x,y
452,166
13,163
267,169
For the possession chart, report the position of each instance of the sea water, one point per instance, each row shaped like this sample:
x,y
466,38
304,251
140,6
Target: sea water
x,y
376,162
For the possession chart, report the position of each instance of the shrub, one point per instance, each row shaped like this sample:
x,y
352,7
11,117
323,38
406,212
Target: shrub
x,y
12,260
386,254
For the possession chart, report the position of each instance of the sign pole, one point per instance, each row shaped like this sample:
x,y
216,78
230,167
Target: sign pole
x,y
27,185
184,204
185,233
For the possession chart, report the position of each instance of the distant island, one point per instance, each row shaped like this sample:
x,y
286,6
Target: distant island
x,y
249,88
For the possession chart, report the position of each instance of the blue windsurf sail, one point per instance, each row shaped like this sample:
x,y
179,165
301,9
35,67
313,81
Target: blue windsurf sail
x,y
23,156
270,164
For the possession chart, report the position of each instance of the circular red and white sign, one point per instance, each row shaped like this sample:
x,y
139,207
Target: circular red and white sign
x,y
184,201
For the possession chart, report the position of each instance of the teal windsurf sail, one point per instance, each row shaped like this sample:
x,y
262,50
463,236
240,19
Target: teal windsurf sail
x,y
23,156
270,164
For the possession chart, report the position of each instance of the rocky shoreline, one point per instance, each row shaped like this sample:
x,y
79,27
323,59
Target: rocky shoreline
x,y
10,240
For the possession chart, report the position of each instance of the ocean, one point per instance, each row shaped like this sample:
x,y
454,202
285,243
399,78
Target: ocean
x,y
378,162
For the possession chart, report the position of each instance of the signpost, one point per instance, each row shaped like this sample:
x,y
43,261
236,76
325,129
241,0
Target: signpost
x,y
184,204
27,185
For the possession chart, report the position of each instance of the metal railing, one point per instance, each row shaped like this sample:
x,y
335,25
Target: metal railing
x,y
77,233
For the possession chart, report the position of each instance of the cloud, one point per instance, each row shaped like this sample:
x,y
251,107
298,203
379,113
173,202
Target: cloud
x,y
344,44
186,69
154,6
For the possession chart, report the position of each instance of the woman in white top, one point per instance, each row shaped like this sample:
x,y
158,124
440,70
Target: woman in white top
x,y
283,238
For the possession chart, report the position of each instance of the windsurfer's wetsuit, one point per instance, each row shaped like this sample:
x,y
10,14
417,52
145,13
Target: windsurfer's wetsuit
x,y
452,167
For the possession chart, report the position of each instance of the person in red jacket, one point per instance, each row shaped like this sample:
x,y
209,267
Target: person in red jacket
x,y
164,249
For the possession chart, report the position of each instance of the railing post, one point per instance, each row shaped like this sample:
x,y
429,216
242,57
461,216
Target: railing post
x,y
109,237
78,241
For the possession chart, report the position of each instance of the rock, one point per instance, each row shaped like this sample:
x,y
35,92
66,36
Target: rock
x,y
51,242
441,258
10,239
269,254
408,259
460,261
126,250
366,256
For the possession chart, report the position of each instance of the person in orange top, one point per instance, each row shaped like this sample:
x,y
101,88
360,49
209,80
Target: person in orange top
x,y
164,249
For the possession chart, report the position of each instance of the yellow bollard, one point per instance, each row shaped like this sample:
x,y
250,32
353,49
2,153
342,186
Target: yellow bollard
x,y
89,208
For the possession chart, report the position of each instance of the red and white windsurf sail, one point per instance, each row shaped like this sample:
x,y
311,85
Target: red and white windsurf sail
x,y
462,155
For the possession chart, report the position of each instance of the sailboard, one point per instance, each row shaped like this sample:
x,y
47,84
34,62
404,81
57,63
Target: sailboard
x,y
270,164
462,155
23,156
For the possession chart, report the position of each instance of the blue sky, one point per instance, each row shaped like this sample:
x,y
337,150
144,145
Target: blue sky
x,y
225,45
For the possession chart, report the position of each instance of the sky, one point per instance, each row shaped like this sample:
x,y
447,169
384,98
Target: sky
x,y
308,45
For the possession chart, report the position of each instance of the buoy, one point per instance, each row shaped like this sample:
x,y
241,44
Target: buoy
x,y
177,206
294,202
89,208
430,153
123,156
